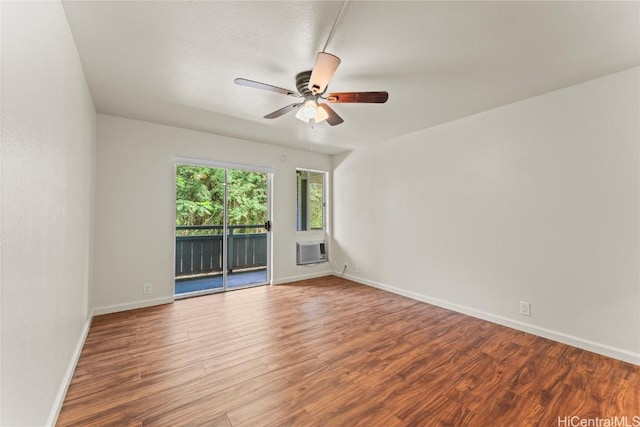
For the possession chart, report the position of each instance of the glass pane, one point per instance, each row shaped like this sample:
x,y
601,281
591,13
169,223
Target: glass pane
x,y
247,238
316,200
199,229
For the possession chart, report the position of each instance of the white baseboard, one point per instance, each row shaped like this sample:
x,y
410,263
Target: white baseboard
x,y
603,349
132,305
66,380
301,277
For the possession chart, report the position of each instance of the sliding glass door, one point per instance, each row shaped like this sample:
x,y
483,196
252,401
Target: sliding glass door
x,y
222,228
247,228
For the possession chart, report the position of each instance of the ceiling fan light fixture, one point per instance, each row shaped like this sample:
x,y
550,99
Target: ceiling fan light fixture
x,y
308,111
311,110
326,64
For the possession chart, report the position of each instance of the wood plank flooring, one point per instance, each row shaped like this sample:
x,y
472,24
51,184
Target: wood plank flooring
x,y
329,352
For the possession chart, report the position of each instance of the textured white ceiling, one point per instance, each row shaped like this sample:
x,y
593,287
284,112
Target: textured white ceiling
x,y
175,62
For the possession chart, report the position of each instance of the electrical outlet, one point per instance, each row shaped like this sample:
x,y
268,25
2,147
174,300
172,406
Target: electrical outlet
x,y
146,288
525,308
357,268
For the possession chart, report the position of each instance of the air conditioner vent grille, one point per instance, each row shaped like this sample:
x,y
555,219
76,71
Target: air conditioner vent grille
x,y
311,252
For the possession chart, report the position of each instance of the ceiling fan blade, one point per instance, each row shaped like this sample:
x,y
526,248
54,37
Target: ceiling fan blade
x,y
264,86
333,119
358,97
282,111
323,69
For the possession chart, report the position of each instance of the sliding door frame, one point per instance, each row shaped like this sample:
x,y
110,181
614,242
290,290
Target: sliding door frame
x,y
188,161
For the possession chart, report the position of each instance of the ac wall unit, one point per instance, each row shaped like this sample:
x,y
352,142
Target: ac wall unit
x,y
311,252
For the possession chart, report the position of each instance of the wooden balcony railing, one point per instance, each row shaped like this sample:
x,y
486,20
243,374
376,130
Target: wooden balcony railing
x,y
200,251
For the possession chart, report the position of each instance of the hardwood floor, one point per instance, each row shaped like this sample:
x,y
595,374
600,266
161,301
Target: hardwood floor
x,y
329,352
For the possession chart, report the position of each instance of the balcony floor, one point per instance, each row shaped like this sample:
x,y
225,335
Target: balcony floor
x,y
234,280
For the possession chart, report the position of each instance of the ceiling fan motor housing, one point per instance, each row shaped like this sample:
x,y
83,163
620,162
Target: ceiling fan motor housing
x,y
302,84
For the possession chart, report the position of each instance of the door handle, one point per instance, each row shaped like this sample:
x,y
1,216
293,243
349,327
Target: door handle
x,y
267,225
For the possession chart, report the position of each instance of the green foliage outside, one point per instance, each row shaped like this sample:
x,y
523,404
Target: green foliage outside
x,y
200,197
315,190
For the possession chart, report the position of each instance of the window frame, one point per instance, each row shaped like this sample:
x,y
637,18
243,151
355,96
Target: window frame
x,y
305,225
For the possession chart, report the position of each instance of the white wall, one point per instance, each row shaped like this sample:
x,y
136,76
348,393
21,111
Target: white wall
x,y
536,201
48,142
135,206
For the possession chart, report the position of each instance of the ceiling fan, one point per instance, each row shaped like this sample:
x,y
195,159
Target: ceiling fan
x,y
312,86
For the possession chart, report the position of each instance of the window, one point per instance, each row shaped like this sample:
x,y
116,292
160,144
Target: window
x,y
310,201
